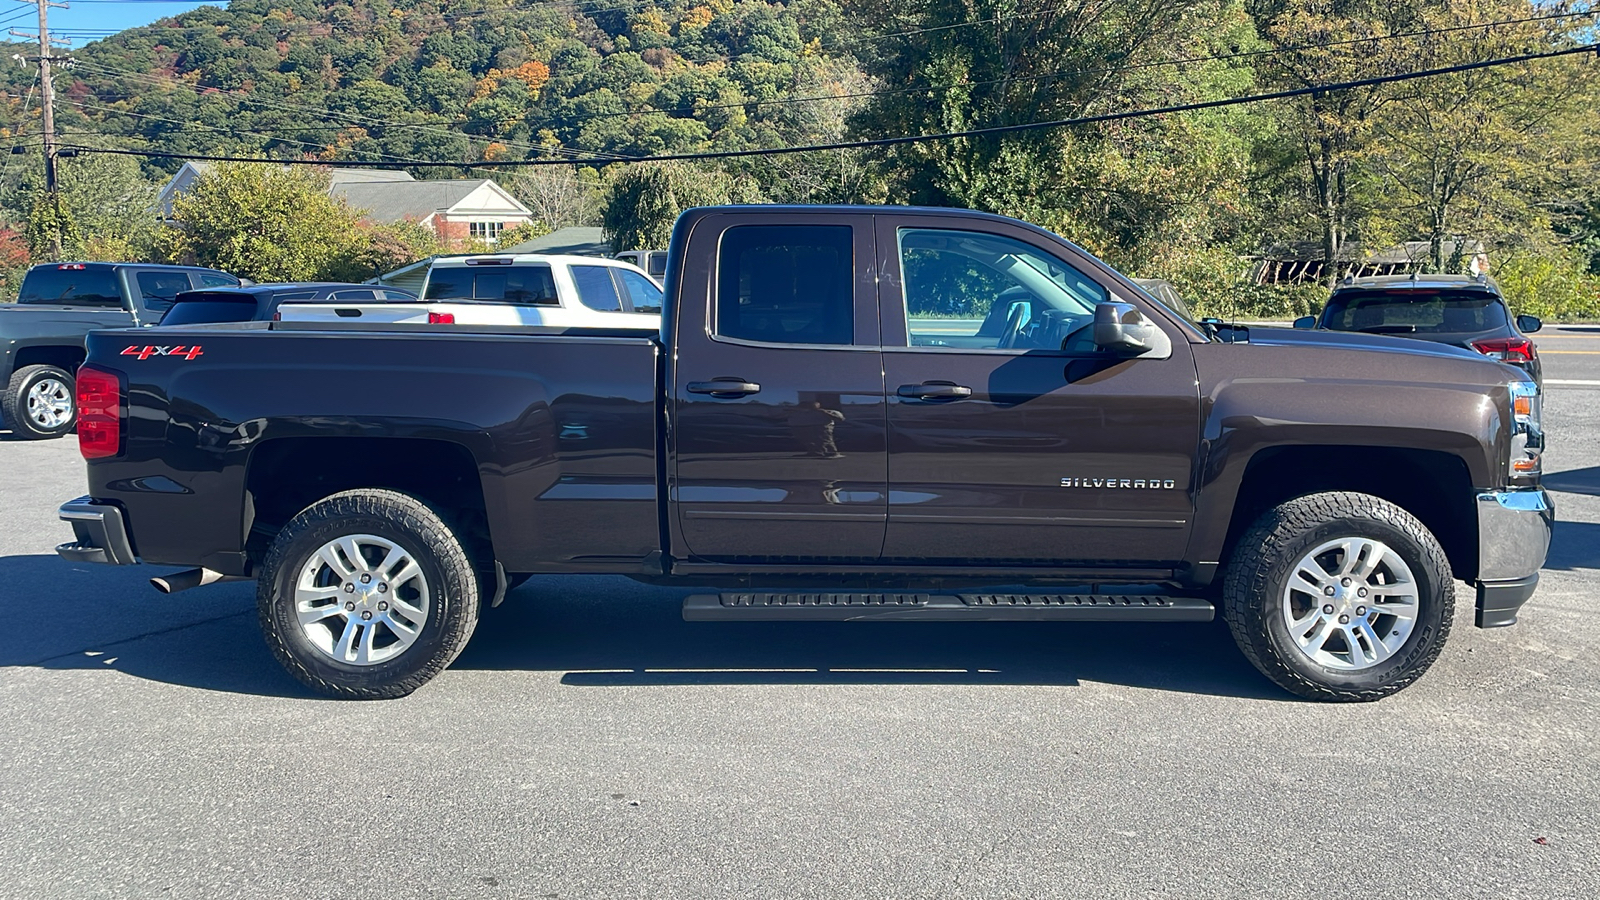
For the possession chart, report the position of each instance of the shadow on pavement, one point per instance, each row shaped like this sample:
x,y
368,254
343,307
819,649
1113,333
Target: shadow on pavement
x,y
1574,545
1576,481
600,632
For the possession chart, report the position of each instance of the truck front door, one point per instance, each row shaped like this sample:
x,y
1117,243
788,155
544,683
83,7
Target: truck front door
x,y
1012,440
776,424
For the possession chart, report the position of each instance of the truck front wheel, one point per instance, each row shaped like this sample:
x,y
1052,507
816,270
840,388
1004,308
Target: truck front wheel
x,y
1339,596
367,595
38,402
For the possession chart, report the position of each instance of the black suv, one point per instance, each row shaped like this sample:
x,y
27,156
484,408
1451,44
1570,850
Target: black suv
x,y
1463,310
259,302
42,334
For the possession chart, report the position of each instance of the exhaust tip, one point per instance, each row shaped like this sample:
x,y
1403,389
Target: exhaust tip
x,y
161,585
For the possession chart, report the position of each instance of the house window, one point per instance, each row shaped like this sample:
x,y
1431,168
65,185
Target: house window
x,y
488,231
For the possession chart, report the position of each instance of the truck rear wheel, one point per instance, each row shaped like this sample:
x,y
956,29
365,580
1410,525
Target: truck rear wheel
x,y
1339,596
39,402
367,595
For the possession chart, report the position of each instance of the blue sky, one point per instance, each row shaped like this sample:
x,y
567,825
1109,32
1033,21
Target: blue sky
x,y
86,20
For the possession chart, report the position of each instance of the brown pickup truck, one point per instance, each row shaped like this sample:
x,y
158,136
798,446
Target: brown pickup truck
x,y
850,413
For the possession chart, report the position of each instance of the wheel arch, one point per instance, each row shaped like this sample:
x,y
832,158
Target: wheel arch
x,y
67,357
1433,485
285,475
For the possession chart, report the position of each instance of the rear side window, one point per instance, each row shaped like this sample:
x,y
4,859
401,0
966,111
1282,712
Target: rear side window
x,y
1414,312
642,293
159,289
208,279
512,284
786,284
207,306
70,286
596,290
355,295
398,296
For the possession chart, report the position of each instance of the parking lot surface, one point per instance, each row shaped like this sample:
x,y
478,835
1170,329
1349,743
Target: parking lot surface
x,y
589,743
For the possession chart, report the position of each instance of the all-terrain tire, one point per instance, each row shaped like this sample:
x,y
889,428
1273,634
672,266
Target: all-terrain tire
x,y
14,402
378,516
1268,555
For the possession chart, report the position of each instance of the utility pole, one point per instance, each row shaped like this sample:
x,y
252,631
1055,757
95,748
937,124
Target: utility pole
x,y
47,100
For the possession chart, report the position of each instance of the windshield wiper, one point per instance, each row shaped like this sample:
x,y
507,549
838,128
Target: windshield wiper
x,y
1389,329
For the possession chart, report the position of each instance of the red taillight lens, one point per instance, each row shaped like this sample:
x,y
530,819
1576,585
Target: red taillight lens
x,y
99,413
1517,349
441,318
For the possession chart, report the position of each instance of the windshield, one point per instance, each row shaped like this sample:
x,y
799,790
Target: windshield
x,y
1414,311
71,286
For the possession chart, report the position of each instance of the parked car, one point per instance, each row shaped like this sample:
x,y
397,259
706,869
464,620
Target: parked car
x,y
1460,310
653,262
513,289
804,438
259,302
41,335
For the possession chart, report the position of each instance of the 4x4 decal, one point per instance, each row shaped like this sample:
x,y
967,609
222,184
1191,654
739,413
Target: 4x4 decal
x,y
147,352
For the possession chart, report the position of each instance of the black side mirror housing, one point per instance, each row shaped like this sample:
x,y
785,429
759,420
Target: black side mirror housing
x,y
1121,328
1529,324
1306,322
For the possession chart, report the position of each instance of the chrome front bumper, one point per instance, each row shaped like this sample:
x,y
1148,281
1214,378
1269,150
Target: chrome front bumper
x,y
99,532
1513,538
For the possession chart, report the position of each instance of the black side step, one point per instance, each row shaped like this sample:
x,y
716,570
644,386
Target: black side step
x,y
761,606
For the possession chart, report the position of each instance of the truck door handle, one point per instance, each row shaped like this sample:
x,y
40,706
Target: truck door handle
x,y
935,390
724,389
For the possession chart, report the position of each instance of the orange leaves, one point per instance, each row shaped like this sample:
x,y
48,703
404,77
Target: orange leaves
x,y
533,73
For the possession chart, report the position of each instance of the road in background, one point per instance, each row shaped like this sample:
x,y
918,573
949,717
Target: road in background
x,y
590,743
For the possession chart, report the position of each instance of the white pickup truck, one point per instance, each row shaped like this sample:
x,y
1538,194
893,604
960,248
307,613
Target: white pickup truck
x,y
512,289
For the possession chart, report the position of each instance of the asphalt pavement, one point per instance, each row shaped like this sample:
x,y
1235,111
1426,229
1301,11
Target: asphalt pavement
x,y
591,744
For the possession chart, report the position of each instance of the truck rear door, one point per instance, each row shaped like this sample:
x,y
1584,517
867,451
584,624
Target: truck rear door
x,y
777,413
1005,447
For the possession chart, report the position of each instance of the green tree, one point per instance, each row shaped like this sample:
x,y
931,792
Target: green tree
x,y
263,222
643,200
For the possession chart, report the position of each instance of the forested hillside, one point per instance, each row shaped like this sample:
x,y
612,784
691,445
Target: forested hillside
x,y
1506,155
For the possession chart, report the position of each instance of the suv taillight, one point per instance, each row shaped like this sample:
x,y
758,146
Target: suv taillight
x,y
99,413
1513,350
441,318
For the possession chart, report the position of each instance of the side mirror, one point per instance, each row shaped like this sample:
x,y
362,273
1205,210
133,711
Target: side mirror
x,y
1529,324
1306,322
1121,328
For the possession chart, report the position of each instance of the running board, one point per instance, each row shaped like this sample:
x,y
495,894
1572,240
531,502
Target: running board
x,y
759,606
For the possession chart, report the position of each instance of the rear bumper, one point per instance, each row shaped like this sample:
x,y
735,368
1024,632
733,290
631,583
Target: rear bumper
x,y
100,535
1513,538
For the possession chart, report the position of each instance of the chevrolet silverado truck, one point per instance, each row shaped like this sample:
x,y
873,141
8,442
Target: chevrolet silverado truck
x,y
850,414
42,334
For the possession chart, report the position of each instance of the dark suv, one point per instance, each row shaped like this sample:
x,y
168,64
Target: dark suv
x,y
1462,310
259,302
42,334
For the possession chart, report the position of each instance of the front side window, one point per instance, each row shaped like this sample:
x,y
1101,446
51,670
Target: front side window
x,y
642,292
208,279
160,288
353,295
966,290
596,289
786,284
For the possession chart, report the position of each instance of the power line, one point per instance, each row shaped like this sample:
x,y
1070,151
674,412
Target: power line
x,y
951,135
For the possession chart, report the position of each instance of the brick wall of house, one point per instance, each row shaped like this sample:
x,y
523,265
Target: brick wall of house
x,y
449,231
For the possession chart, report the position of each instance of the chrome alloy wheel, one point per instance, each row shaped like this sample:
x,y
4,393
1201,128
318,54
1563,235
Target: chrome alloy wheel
x,y
49,404
1350,604
361,599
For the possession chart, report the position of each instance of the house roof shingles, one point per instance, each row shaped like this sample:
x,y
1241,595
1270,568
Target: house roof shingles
x,y
395,201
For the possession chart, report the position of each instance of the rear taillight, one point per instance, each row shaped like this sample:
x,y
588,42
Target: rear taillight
x,y
1515,349
99,413
441,318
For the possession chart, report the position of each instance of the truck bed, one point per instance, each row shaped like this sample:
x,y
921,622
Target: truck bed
x,y
557,432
